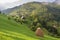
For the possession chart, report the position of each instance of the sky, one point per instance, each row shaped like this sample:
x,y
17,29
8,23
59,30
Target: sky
x,y
4,4
9,1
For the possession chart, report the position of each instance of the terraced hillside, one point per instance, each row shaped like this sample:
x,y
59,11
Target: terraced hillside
x,y
11,30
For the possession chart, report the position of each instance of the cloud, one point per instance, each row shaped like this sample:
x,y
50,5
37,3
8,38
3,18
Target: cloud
x,y
7,1
10,1
4,4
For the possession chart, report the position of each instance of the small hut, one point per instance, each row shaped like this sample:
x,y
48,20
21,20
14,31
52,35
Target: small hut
x,y
39,32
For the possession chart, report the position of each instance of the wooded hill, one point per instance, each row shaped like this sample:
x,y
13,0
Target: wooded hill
x,y
37,14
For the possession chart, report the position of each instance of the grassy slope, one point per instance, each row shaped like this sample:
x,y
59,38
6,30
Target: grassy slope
x,y
10,30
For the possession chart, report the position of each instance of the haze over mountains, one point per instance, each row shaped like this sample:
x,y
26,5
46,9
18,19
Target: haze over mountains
x,y
57,2
15,3
8,6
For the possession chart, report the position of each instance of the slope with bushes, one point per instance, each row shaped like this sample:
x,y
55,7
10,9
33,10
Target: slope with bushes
x,y
11,30
38,14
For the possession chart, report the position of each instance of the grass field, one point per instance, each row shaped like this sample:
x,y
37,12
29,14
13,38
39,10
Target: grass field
x,y
11,30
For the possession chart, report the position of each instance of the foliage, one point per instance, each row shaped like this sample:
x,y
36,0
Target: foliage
x,y
37,14
11,30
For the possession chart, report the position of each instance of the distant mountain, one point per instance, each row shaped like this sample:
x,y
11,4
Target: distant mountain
x,y
9,5
1,7
12,8
57,2
9,10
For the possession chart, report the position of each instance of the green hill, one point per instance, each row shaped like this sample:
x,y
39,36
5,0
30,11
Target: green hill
x,y
47,16
36,14
11,30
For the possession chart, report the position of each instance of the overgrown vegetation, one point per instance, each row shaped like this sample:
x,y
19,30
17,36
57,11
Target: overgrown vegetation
x,y
36,15
11,30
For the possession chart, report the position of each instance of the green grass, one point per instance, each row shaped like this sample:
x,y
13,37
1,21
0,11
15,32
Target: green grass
x,y
11,30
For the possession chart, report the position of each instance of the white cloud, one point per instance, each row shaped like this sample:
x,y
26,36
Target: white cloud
x,y
10,1
7,1
4,4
